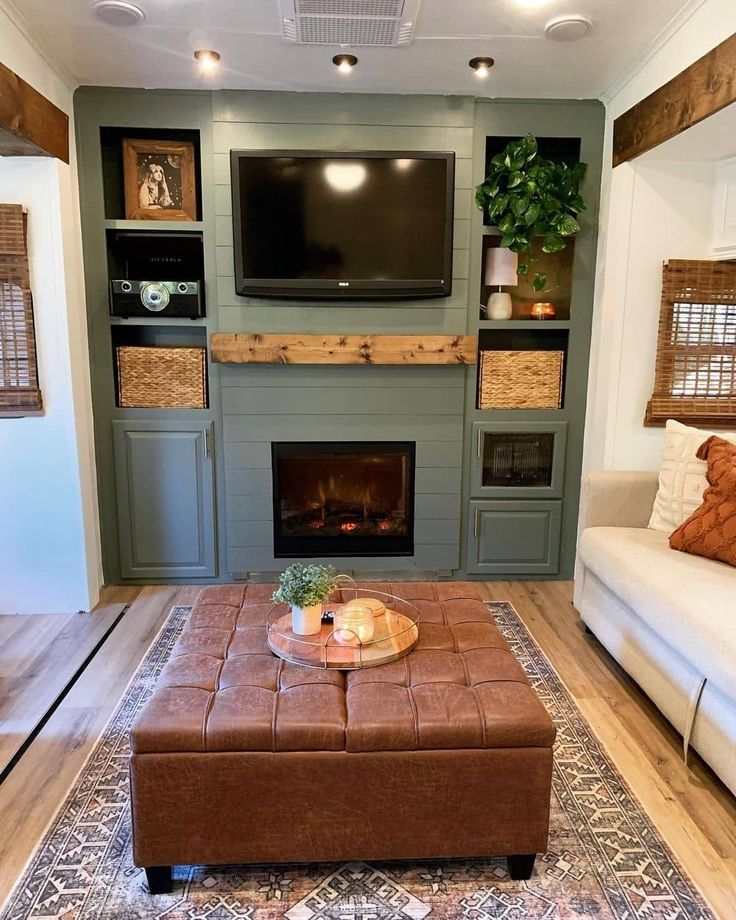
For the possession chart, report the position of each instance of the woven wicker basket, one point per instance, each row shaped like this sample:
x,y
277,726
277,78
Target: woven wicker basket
x,y
162,378
520,379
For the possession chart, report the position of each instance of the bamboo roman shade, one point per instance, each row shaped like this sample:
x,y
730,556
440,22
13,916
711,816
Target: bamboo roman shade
x,y
19,390
695,373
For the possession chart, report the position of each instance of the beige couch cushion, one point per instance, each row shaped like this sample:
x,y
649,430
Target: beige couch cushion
x,y
689,601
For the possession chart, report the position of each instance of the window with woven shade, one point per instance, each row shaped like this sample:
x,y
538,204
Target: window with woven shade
x,y
695,372
20,393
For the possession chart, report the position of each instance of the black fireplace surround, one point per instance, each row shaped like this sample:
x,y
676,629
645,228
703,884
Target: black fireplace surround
x,y
343,498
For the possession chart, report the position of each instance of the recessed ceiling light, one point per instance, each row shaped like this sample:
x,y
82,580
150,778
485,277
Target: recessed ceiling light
x,y
207,59
481,66
118,12
345,62
568,28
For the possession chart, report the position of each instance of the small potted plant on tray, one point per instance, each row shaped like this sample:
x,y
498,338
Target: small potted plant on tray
x,y
303,588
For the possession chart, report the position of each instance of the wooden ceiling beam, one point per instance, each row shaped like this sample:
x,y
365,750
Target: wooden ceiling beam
x,y
704,88
30,125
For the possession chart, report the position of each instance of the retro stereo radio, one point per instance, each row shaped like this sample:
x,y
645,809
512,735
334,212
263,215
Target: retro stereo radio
x,y
156,298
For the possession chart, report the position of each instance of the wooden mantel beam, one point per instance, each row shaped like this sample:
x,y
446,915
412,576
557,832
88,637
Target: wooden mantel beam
x,y
30,125
704,88
277,348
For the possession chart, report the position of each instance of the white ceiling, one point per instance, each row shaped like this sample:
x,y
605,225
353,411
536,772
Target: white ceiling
x,y
247,33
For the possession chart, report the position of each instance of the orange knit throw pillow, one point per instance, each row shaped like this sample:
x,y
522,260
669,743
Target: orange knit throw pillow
x,y
711,530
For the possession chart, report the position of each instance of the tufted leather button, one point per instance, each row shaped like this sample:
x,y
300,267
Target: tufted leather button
x,y
223,689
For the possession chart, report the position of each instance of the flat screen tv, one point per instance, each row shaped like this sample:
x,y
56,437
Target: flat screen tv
x,y
342,225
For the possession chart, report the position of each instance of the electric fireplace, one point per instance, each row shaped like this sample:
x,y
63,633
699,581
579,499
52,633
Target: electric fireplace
x,y
343,498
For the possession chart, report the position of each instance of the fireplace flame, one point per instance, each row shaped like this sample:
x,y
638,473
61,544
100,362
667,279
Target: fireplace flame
x,y
329,490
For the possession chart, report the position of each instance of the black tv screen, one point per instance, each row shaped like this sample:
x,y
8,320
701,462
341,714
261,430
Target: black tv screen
x,y
342,225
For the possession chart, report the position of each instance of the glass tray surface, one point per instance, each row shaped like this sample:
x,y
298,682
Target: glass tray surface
x,y
395,633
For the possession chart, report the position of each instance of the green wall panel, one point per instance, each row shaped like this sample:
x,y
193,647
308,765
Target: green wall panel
x,y
252,406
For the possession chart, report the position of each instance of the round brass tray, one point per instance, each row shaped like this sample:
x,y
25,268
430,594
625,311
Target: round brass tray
x,y
395,633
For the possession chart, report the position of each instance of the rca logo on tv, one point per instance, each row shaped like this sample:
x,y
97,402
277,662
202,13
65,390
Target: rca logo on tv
x,y
343,284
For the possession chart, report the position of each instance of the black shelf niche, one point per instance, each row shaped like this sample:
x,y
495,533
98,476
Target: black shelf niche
x,y
111,147
558,267
155,336
509,339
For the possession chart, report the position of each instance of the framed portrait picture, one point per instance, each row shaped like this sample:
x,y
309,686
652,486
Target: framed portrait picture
x,y
159,180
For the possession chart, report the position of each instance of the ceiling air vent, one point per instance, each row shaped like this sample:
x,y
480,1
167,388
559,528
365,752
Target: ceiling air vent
x,y
357,23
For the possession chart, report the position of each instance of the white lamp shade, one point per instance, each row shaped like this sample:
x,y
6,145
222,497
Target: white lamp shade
x,y
501,266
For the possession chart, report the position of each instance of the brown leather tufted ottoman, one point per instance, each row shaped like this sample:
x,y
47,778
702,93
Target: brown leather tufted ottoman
x,y
240,757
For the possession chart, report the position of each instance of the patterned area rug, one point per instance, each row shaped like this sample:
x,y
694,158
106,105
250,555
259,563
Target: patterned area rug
x,y
606,860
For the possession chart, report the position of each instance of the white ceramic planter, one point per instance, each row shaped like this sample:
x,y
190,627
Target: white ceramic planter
x,y
306,621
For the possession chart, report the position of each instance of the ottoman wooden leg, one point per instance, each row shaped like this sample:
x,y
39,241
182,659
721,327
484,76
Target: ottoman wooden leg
x,y
159,879
521,867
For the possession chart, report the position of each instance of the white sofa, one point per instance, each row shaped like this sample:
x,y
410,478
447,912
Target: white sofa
x,y
668,618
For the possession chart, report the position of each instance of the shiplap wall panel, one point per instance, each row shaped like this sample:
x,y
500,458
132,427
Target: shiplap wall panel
x,y
357,376
316,427
258,400
265,404
229,136
427,559
234,318
343,108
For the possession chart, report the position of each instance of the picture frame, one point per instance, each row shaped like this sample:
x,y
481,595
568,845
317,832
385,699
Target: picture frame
x,y
159,180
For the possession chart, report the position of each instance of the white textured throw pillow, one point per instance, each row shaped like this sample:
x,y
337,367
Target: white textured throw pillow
x,y
681,476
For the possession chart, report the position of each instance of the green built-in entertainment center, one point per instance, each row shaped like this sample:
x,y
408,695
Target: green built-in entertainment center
x,y
185,494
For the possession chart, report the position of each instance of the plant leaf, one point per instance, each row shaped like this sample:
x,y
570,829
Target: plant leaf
x,y
515,179
531,215
507,223
506,240
553,243
538,282
567,225
498,205
519,205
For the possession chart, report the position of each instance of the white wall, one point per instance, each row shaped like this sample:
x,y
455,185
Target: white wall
x,y
49,539
662,210
652,209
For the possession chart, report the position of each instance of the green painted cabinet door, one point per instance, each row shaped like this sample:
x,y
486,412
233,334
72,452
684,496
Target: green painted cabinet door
x,y
164,476
514,537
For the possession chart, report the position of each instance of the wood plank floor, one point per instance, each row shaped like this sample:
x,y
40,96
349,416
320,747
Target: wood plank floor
x,y
38,657
694,812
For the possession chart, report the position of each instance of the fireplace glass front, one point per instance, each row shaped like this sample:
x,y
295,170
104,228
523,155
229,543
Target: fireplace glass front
x,y
343,498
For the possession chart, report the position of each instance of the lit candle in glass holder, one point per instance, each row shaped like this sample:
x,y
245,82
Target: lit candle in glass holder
x,y
353,624
543,311
372,603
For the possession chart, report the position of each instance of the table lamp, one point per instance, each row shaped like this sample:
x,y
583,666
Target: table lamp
x,y
501,270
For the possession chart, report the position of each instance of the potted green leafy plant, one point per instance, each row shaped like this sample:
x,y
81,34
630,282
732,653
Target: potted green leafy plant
x,y
527,196
303,588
